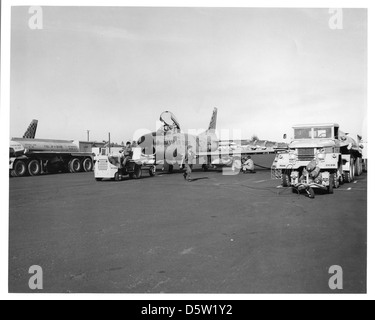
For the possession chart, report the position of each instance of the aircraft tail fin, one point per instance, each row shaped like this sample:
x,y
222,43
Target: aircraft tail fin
x,y
213,121
31,130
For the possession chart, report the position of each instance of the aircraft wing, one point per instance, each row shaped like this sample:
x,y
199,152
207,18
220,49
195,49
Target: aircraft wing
x,y
236,152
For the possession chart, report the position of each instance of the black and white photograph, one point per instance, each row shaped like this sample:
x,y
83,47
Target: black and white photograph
x,y
187,150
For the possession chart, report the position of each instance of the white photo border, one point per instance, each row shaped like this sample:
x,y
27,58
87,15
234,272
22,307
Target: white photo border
x,y
5,130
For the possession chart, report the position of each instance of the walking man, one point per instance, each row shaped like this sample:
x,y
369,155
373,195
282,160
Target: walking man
x,y
188,160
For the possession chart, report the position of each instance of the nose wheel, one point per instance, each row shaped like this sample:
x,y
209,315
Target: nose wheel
x,y
152,171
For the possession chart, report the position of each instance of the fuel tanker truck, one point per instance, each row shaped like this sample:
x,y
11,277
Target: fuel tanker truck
x,y
35,156
320,157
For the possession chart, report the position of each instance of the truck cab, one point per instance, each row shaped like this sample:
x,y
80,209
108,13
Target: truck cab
x,y
313,142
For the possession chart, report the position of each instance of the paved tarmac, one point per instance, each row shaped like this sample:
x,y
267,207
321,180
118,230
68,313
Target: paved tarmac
x,y
218,234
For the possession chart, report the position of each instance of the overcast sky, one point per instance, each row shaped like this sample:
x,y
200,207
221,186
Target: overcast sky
x,y
118,69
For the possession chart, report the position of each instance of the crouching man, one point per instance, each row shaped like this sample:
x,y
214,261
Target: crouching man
x,y
248,166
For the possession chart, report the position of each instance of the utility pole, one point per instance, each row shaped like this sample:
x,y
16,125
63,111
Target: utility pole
x,y
109,141
88,135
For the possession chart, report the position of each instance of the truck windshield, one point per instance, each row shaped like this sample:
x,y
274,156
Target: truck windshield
x,y
303,133
313,133
322,133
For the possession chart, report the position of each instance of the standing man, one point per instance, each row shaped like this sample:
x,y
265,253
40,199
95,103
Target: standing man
x,y
209,156
188,159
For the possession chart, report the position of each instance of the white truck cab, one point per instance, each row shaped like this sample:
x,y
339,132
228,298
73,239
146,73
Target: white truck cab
x,y
320,156
109,165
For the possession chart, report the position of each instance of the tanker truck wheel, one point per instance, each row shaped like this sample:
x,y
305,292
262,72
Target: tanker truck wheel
x,y
34,168
75,165
87,165
331,184
286,180
20,169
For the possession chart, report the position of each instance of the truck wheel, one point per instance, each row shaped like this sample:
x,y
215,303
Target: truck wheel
x,y
358,164
20,169
98,179
352,169
137,172
152,171
341,179
347,177
34,168
286,180
87,165
311,193
336,181
205,167
117,177
331,184
75,165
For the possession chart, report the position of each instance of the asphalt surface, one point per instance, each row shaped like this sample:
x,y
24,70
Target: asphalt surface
x,y
217,234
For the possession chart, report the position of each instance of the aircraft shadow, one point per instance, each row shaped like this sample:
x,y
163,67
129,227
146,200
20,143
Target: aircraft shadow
x,y
197,179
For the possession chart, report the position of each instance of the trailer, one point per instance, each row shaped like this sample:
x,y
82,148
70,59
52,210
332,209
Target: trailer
x,y
320,157
33,157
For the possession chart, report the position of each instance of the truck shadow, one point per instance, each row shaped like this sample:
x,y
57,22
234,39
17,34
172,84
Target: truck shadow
x,y
317,192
